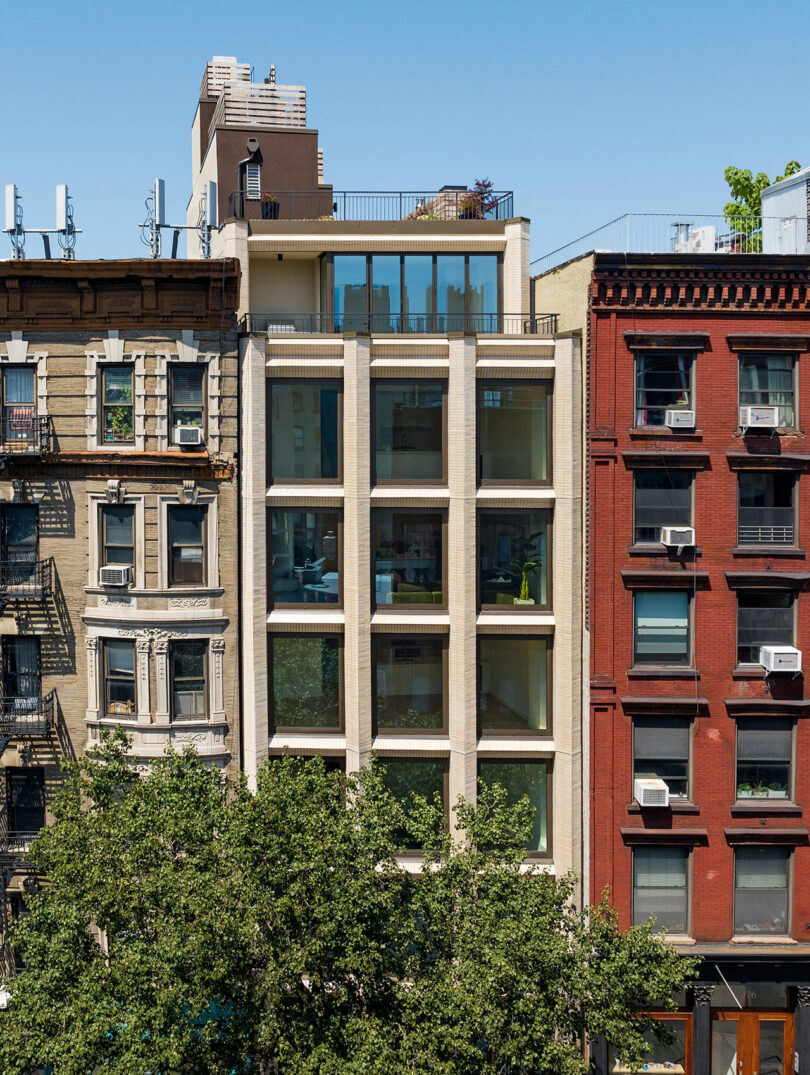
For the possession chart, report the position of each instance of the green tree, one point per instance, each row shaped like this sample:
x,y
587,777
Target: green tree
x,y
746,190
188,925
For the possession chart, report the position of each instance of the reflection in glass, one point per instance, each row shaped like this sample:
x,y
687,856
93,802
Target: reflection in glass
x,y
513,692
409,682
512,432
117,539
187,546
771,1047
406,777
483,293
119,678
418,293
408,433
187,395
351,293
761,890
521,778
188,680
385,292
304,554
660,888
306,681
450,292
661,627
304,431
408,557
117,403
670,1058
513,557
724,1046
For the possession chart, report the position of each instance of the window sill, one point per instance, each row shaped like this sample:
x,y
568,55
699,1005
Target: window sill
x,y
680,939
770,551
675,807
748,672
759,938
665,431
656,549
745,807
663,671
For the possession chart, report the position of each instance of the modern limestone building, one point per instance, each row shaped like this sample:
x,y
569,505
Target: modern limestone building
x,y
411,475
118,583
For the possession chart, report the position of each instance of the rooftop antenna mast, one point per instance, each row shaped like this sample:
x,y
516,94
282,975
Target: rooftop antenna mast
x,y
156,220
65,230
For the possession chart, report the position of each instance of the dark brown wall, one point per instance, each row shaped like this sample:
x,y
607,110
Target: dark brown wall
x,y
290,160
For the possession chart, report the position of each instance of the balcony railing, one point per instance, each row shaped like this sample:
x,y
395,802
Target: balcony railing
x,y
326,204
15,844
396,324
31,715
765,526
26,579
24,433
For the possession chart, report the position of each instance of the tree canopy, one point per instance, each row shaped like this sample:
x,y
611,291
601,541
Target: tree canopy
x,y
746,190
192,926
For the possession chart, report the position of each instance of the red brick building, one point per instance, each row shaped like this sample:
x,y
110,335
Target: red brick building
x,y
690,361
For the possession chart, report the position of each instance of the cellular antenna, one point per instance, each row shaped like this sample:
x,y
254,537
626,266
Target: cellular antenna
x,y
65,230
156,220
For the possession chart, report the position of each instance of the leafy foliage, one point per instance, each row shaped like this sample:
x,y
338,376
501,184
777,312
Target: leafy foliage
x,y
746,190
188,925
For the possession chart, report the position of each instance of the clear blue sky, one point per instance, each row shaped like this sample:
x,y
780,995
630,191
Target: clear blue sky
x,y
585,109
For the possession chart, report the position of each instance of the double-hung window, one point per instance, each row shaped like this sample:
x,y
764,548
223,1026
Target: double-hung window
x,y
187,395
768,380
663,383
661,888
117,541
19,531
661,629
661,750
662,498
19,405
117,404
22,688
119,678
766,512
188,680
761,890
25,800
763,619
764,757
187,546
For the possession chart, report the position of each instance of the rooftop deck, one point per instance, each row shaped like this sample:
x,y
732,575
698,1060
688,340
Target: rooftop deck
x,y
450,203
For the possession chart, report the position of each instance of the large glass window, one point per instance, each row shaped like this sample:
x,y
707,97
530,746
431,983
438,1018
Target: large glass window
x,y
513,688
408,431
661,888
25,799
304,431
661,750
450,288
117,542
187,395
674,1057
519,778
409,679
351,293
188,680
119,678
513,557
407,777
306,688
22,687
513,432
187,546
19,404
661,633
117,404
766,509
763,619
764,753
761,884
418,305
767,380
408,559
482,293
662,498
663,382
305,557
385,293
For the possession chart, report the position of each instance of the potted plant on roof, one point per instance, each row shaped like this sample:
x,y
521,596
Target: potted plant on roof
x,y
269,207
469,206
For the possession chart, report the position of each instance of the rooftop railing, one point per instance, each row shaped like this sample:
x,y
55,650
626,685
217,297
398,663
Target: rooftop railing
x,y
22,715
396,324
326,204
680,233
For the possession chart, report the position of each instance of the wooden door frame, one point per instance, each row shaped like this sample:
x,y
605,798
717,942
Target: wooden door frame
x,y
748,1040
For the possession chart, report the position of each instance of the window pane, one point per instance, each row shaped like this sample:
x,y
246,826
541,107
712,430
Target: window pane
x,y
450,292
513,557
306,681
660,887
408,557
187,395
25,798
662,498
351,293
409,682
305,557
761,890
418,293
670,1057
120,657
20,531
118,525
661,750
767,380
21,681
662,627
662,383
117,384
409,431
764,750
765,513
385,292
187,525
763,619
188,679
761,867
521,778
513,689
304,431
483,293
18,386
405,777
512,432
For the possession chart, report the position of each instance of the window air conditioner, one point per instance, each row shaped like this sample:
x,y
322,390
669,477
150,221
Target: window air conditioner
x,y
187,435
115,576
678,419
759,417
780,658
677,536
652,792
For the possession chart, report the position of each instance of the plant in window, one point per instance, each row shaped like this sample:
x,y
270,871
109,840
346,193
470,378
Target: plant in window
x,y
527,563
119,421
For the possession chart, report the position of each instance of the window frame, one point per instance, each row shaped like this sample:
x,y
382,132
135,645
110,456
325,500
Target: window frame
x,y
690,737
309,382
794,383
424,609
688,860
105,679
664,352
196,717
172,509
7,642
516,610
636,542
747,665
5,428
104,508
530,856
12,771
6,512
689,663
378,639
499,383
202,367
385,759
103,369
790,857
386,382
794,508
790,798
286,729
517,733
318,509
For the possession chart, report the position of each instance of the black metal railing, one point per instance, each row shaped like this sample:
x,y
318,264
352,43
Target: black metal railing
x,y
328,204
399,324
23,578
27,714
15,844
765,526
22,433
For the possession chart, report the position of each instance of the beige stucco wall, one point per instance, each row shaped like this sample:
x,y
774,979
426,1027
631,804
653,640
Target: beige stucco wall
x,y
564,292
